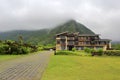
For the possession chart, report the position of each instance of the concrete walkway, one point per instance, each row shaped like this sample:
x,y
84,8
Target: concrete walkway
x,y
29,67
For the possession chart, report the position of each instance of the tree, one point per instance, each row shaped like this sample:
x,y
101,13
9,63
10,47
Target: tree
x,y
20,39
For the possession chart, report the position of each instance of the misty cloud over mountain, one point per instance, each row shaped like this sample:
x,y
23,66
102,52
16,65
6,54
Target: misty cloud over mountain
x,y
101,16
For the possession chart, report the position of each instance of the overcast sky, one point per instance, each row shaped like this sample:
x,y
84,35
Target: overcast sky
x,y
101,16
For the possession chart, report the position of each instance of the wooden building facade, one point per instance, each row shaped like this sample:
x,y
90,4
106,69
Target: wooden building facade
x,y
67,41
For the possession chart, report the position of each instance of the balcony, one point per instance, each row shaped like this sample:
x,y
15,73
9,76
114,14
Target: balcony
x,y
58,38
70,38
70,43
88,44
99,44
63,44
61,37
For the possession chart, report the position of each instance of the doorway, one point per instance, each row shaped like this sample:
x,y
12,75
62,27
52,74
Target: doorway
x,y
70,47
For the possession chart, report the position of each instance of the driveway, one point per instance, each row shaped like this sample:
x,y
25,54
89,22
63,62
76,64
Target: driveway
x,y
29,67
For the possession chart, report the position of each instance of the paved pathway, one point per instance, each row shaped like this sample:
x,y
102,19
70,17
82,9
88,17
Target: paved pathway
x,y
26,68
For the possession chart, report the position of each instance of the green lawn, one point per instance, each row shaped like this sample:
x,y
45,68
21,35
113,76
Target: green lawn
x,y
8,57
82,68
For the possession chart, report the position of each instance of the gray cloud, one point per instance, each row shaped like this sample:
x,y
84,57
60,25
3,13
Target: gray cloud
x,y
102,16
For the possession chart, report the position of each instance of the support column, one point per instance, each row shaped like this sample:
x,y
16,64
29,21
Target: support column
x,y
66,43
104,47
110,45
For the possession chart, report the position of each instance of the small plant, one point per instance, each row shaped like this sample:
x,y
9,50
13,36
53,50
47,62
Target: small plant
x,y
87,50
93,52
100,52
65,53
73,49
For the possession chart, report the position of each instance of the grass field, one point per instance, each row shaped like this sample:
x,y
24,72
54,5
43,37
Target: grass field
x,y
82,68
8,57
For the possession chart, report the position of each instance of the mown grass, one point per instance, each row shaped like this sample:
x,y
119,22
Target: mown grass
x,y
8,57
62,67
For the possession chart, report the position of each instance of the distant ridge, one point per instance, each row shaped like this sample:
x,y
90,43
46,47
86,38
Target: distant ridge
x,y
46,36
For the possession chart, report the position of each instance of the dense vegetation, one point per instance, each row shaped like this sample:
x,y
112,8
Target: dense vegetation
x,y
78,53
89,52
116,46
100,52
45,36
94,51
112,52
14,47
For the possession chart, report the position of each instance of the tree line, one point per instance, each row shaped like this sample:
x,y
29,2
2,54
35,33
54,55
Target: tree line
x,y
16,47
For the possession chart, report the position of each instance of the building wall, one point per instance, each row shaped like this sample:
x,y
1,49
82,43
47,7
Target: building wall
x,y
58,47
82,41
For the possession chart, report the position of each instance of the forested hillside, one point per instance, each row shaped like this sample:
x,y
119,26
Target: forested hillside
x,y
45,36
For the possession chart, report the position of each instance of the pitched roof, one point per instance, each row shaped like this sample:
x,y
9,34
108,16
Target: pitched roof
x,y
104,40
89,34
62,33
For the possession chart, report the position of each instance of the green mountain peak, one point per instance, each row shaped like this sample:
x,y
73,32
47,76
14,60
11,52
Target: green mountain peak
x,y
46,36
72,26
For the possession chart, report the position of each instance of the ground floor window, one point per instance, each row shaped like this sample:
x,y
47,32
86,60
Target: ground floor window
x,y
98,47
70,47
79,48
62,47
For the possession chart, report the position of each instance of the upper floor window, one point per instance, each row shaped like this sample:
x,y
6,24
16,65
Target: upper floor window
x,y
70,42
96,37
62,37
70,38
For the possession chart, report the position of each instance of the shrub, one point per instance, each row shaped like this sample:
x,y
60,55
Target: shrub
x,y
87,50
116,46
76,53
40,48
14,53
100,52
65,53
3,49
112,52
13,47
93,50
25,50
97,52
73,49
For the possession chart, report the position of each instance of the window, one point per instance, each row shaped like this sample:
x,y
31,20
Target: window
x,y
62,37
71,42
71,38
58,41
87,42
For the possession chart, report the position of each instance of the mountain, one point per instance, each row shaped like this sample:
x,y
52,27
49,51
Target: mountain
x,y
28,36
45,36
72,26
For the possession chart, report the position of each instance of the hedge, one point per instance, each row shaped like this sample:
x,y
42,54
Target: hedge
x,y
98,52
112,52
65,53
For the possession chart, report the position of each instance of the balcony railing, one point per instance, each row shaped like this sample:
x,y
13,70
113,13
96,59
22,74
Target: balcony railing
x,y
70,43
70,38
89,44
